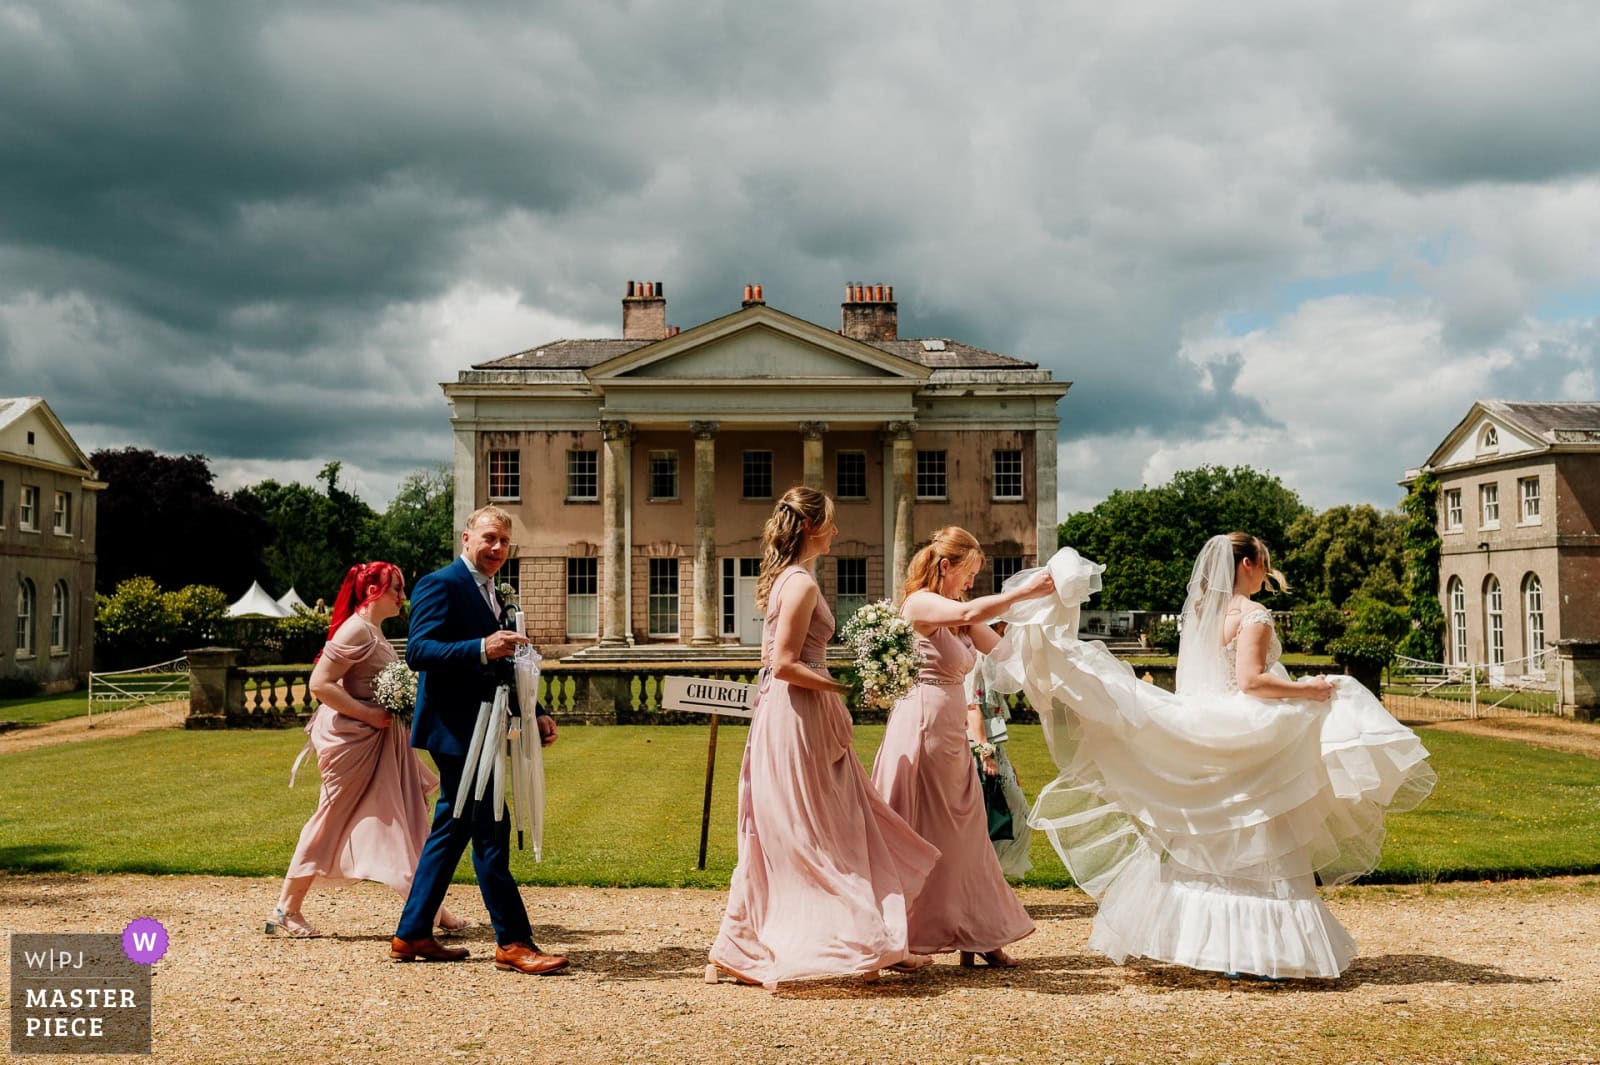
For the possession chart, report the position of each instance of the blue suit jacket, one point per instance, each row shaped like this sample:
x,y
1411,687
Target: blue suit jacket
x,y
449,620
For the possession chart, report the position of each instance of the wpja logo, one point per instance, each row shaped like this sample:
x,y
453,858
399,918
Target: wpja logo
x,y
82,993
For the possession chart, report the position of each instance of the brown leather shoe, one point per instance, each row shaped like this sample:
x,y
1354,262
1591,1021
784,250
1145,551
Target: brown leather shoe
x,y
527,958
429,949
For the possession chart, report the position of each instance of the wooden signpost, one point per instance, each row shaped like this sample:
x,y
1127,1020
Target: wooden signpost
x,y
719,698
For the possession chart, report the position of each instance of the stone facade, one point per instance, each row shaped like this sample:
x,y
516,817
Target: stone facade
x,y
47,535
639,471
1519,504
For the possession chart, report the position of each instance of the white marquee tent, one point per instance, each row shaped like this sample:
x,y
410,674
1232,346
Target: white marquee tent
x,y
256,603
291,599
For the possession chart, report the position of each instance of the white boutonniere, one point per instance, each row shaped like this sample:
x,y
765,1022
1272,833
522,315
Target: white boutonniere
x,y
508,594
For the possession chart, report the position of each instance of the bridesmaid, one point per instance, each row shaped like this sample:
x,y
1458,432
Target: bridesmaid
x,y
372,816
826,870
924,768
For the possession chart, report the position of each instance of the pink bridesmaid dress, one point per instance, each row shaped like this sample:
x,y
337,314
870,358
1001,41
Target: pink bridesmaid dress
x,y
373,816
925,771
826,870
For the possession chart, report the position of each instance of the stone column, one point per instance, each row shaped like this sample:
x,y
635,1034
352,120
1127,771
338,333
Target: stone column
x,y
1044,493
215,687
618,473
902,491
1579,664
465,465
706,601
811,433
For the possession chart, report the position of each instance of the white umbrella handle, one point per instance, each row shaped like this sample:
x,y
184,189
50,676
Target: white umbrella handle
x,y
479,728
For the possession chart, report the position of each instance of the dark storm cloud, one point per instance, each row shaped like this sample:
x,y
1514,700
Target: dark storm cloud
x,y
266,231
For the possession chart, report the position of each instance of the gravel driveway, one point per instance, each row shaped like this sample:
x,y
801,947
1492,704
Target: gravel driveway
x,y
1455,973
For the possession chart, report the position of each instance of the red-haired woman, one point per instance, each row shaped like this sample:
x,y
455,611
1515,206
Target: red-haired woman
x,y
372,816
924,767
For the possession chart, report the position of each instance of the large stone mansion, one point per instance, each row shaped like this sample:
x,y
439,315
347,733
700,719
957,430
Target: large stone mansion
x,y
640,470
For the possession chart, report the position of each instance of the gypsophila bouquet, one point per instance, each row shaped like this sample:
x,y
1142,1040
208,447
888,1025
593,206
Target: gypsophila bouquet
x,y
395,689
885,648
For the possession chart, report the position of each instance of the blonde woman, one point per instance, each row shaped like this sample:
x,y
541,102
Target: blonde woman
x,y
826,871
924,768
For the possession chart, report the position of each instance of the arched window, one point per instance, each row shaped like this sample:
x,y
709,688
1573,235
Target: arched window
x,y
1494,619
58,616
1490,440
1458,621
1533,619
27,616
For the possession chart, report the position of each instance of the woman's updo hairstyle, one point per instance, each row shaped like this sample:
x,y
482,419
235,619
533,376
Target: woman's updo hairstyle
x,y
802,511
1250,547
951,544
363,583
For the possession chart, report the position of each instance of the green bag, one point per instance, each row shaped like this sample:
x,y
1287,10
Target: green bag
x,y
995,805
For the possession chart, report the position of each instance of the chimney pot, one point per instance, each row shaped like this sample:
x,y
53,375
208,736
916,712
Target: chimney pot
x,y
758,294
869,313
749,293
644,312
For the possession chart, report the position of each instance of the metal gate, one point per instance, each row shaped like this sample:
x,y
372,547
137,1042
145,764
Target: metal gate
x,y
1440,691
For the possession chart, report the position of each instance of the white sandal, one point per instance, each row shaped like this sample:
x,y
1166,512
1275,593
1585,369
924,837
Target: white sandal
x,y
293,925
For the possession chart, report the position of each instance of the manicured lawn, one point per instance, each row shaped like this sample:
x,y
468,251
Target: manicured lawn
x,y
624,807
40,709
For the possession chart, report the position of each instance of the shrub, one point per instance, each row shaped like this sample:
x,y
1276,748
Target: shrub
x,y
1372,617
302,635
134,625
1362,652
1164,636
197,613
1313,626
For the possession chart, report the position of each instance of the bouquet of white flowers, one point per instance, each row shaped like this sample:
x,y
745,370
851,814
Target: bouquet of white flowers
x,y
395,689
885,647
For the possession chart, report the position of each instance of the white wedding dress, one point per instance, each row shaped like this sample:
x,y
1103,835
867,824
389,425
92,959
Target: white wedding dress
x,y
1202,821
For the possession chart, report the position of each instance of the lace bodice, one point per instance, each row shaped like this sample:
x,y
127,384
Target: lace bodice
x,y
1255,615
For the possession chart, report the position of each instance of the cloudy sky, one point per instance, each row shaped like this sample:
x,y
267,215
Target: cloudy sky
x,y
1303,236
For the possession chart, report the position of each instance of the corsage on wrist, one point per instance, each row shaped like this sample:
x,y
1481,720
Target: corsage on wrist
x,y
983,750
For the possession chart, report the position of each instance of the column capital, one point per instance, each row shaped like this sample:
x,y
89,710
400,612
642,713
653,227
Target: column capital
x,y
899,430
813,430
614,430
704,430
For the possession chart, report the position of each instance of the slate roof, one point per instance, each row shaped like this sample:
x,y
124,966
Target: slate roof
x,y
1548,421
582,354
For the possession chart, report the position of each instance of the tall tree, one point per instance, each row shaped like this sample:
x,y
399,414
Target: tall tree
x,y
418,530
315,536
1148,537
161,517
1344,551
1422,550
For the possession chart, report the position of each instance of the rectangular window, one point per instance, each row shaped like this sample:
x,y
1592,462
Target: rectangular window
x,y
930,475
663,475
663,610
1489,500
1452,509
852,593
1005,567
505,475
758,475
28,512
58,616
1008,475
61,519
583,597
1528,489
583,476
850,480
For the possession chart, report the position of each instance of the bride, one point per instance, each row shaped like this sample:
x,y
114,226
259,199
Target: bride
x,y
1202,821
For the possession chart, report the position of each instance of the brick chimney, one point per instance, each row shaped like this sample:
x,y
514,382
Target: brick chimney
x,y
644,311
869,312
752,296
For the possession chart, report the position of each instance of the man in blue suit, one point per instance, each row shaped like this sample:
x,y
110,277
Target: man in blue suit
x,y
455,635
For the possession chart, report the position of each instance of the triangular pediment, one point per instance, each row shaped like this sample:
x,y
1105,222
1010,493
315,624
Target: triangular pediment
x,y
1483,436
758,342
51,444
